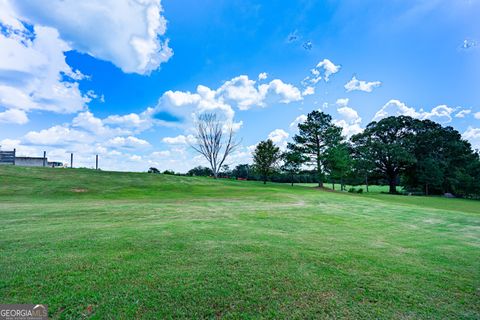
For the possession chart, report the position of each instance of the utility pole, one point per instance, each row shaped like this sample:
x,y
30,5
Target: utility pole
x,y
44,158
96,162
71,160
14,155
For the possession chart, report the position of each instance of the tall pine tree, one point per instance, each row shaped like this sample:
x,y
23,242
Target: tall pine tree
x,y
316,136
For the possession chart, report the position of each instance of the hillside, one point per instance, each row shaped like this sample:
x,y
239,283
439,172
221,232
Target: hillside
x,y
135,245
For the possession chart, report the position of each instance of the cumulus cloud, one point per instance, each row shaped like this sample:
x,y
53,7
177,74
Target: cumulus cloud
x,y
463,113
133,121
322,71
308,91
180,139
127,33
473,135
127,142
239,92
343,102
442,113
58,136
300,119
360,85
263,76
13,116
348,119
476,115
279,137
34,74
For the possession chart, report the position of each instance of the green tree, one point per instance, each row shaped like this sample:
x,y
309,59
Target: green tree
x,y
265,157
242,171
292,163
442,160
388,144
316,136
362,167
200,172
338,163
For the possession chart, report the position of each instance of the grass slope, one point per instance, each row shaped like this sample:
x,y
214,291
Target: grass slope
x,y
131,245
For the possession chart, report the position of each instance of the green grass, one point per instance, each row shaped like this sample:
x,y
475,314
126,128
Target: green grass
x,y
130,245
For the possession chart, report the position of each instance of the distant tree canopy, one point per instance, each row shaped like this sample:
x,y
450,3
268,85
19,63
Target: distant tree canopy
x,y
422,156
243,171
153,170
200,171
426,156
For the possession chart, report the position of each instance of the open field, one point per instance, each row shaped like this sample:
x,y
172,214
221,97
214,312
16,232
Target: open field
x,y
132,245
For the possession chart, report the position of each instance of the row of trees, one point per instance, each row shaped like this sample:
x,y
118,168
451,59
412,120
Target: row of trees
x,y
420,155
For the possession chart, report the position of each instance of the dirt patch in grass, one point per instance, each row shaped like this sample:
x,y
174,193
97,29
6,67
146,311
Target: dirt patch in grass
x,y
79,190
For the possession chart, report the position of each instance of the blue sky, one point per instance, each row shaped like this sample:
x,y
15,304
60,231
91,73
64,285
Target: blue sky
x,y
124,79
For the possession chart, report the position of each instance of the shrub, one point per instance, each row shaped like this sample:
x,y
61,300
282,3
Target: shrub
x,y
153,170
352,190
360,190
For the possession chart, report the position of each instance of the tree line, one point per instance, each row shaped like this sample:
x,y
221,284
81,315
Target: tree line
x,y
421,156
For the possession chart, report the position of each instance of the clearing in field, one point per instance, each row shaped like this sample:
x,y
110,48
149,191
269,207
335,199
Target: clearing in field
x,y
132,245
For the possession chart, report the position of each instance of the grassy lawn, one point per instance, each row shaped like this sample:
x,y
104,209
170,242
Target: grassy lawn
x,y
131,245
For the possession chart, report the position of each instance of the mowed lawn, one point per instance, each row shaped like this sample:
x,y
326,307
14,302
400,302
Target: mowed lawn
x,y
130,245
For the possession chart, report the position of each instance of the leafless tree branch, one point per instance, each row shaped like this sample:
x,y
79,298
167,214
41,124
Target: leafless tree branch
x,y
212,142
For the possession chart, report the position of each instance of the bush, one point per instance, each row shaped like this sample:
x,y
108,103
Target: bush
x,y
360,190
352,190
153,170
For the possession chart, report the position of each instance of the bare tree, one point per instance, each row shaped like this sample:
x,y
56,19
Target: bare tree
x,y
213,142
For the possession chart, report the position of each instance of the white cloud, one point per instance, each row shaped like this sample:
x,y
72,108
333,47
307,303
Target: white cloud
x,y
442,113
360,85
58,135
395,108
9,144
476,115
161,154
348,119
138,122
180,139
279,91
300,119
239,92
127,142
342,102
34,74
329,68
349,114
279,137
463,113
263,76
308,91
473,135
322,71
126,33
13,116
